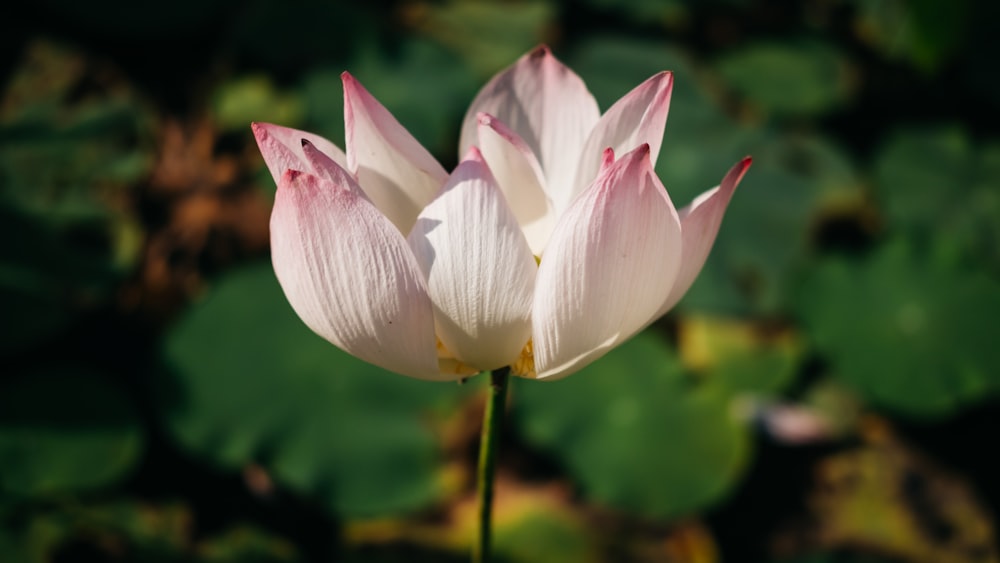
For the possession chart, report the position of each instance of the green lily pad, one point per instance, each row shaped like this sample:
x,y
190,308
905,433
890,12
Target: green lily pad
x,y
488,35
936,180
635,432
65,430
924,33
239,102
800,78
251,384
912,333
738,355
767,231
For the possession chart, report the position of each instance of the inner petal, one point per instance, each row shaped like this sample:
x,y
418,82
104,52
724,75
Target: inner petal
x,y
519,177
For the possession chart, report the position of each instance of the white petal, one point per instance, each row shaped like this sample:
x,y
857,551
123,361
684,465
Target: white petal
x,y
395,170
350,276
700,223
638,117
547,105
519,176
281,148
480,272
610,264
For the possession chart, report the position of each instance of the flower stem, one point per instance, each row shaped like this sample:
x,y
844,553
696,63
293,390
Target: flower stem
x,y
488,445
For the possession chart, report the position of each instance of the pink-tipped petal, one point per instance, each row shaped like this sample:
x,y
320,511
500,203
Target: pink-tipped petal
x,y
520,178
479,269
350,276
609,265
638,117
395,170
281,148
547,105
700,223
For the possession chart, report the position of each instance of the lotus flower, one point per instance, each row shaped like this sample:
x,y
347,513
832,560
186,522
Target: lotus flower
x,y
552,242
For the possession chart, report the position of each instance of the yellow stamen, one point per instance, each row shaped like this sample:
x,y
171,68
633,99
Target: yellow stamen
x,y
524,366
448,363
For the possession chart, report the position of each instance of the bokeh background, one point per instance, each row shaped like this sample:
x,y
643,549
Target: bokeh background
x,y
827,392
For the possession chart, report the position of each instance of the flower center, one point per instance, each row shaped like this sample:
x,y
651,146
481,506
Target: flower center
x,y
524,366
448,363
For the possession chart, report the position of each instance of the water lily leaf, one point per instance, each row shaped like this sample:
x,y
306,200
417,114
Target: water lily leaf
x,y
925,33
251,384
531,532
801,78
65,430
768,227
738,355
936,179
635,433
254,98
910,332
488,35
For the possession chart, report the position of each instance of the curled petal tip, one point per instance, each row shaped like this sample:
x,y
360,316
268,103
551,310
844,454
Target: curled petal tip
x,y
607,158
540,51
473,154
484,118
735,176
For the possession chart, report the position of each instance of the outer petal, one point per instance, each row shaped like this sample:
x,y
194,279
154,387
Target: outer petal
x,y
393,168
479,269
282,149
638,117
520,178
547,105
349,275
610,264
699,225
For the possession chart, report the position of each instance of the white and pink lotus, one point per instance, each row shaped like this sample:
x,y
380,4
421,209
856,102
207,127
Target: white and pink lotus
x,y
552,242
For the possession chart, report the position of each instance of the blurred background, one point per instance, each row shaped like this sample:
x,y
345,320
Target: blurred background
x,y
826,393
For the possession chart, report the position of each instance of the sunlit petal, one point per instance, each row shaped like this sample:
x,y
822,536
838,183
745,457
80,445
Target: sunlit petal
x,y
700,223
520,178
395,170
281,148
547,105
638,117
479,269
350,276
610,263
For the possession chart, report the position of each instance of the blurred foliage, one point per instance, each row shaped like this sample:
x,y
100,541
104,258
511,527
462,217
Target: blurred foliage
x,y
160,401
609,424
290,400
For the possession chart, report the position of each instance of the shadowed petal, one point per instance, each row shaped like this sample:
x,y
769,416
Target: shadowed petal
x,y
395,170
520,178
700,223
349,274
479,269
638,117
610,263
281,148
547,105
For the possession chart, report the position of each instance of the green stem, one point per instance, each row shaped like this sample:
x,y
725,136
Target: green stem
x,y
488,444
